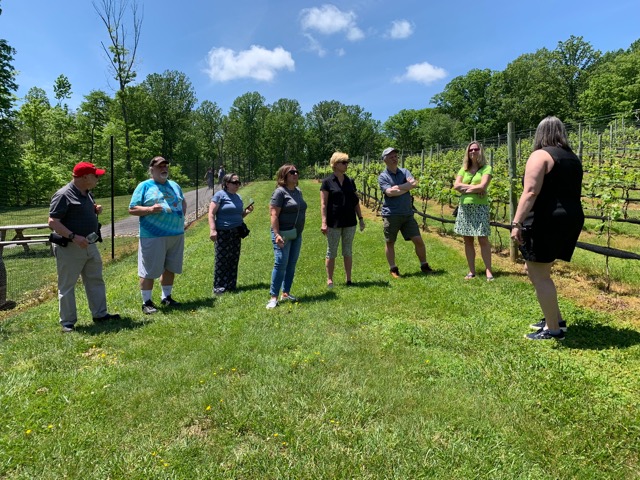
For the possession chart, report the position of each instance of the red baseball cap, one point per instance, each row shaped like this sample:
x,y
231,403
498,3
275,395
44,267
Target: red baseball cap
x,y
86,168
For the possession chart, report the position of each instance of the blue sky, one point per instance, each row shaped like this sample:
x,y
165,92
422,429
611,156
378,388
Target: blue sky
x,y
382,55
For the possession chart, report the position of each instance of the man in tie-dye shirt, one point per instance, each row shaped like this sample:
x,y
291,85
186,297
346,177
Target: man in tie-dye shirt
x,y
160,204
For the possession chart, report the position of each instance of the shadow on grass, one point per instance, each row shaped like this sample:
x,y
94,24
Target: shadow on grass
x,y
193,304
253,286
434,273
600,337
125,323
365,284
320,297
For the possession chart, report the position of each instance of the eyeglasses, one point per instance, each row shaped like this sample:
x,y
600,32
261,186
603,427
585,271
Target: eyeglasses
x,y
474,149
292,172
235,182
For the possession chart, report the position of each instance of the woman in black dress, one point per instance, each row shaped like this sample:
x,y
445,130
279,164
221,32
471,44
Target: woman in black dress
x,y
549,218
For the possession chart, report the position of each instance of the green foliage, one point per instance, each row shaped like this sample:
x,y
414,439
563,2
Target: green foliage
x,y
347,383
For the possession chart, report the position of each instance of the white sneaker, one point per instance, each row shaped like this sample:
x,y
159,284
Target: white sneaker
x,y
288,298
273,303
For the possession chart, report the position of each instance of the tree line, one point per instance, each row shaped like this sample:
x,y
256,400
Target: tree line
x,y
42,138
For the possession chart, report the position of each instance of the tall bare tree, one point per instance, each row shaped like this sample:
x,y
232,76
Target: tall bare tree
x,y
121,52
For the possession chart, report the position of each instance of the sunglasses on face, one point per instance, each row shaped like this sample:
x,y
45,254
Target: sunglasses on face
x,y
346,162
292,172
474,149
235,182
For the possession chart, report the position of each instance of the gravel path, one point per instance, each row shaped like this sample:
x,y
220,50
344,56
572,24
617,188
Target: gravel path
x,y
128,227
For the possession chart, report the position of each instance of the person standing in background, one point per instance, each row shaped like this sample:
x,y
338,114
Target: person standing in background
x,y
161,206
339,207
226,213
397,211
472,220
287,210
73,214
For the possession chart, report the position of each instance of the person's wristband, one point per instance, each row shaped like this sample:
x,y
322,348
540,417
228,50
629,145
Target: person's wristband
x,y
516,225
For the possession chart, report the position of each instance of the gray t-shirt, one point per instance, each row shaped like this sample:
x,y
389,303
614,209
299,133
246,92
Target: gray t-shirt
x,y
74,210
400,205
292,206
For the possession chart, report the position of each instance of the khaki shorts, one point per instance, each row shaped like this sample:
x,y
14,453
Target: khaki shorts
x,y
155,255
405,224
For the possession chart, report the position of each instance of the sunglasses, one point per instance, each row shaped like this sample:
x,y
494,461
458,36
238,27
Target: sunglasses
x,y
235,182
474,149
292,172
346,162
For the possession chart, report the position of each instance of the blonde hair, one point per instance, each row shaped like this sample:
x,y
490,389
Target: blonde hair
x,y
338,157
466,162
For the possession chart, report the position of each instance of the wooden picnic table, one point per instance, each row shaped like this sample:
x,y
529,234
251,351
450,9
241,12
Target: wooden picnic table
x,y
22,238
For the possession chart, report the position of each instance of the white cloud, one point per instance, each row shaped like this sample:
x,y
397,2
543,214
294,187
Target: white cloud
x,y
400,29
224,64
341,52
329,20
315,46
422,73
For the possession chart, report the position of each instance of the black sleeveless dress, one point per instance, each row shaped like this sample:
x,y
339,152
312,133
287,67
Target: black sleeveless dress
x,y
553,226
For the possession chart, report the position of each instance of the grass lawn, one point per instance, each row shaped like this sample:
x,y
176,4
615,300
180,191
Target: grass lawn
x,y
420,377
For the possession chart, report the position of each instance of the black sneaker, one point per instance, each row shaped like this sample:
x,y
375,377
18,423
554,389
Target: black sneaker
x,y
426,268
169,302
543,334
148,308
107,317
543,323
68,328
395,273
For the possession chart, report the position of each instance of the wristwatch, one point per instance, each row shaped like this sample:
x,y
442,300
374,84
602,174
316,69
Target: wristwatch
x,y
516,225
72,236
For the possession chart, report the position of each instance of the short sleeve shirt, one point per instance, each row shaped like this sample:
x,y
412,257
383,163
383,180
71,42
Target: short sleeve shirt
x,y
292,208
229,214
74,210
341,203
475,179
170,221
400,205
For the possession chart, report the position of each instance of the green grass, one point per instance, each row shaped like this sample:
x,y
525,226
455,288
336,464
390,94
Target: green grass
x,y
421,377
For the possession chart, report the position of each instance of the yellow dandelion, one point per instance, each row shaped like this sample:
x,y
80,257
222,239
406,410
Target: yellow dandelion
x,y
49,426
233,369
165,464
28,431
208,408
153,454
275,434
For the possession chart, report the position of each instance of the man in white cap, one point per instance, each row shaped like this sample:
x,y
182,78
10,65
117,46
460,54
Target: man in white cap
x,y
73,214
161,206
397,211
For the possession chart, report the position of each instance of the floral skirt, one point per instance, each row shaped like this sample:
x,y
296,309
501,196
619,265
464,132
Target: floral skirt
x,y
473,221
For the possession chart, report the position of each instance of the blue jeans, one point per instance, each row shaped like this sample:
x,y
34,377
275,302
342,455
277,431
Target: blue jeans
x,y
284,267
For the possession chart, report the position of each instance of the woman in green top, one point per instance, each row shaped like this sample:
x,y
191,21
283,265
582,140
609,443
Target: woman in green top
x,y
472,220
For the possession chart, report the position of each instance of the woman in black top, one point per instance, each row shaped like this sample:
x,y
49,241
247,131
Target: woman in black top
x,y
339,206
549,218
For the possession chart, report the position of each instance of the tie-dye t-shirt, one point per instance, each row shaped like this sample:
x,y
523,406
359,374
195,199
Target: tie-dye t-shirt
x,y
171,220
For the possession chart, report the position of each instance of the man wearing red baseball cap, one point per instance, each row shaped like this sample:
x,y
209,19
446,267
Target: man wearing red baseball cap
x,y
73,214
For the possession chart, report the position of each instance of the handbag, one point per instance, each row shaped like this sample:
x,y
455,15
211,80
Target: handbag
x,y
289,234
455,211
243,230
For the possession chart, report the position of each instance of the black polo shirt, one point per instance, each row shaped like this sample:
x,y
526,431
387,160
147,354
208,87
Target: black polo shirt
x,y
342,201
74,210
